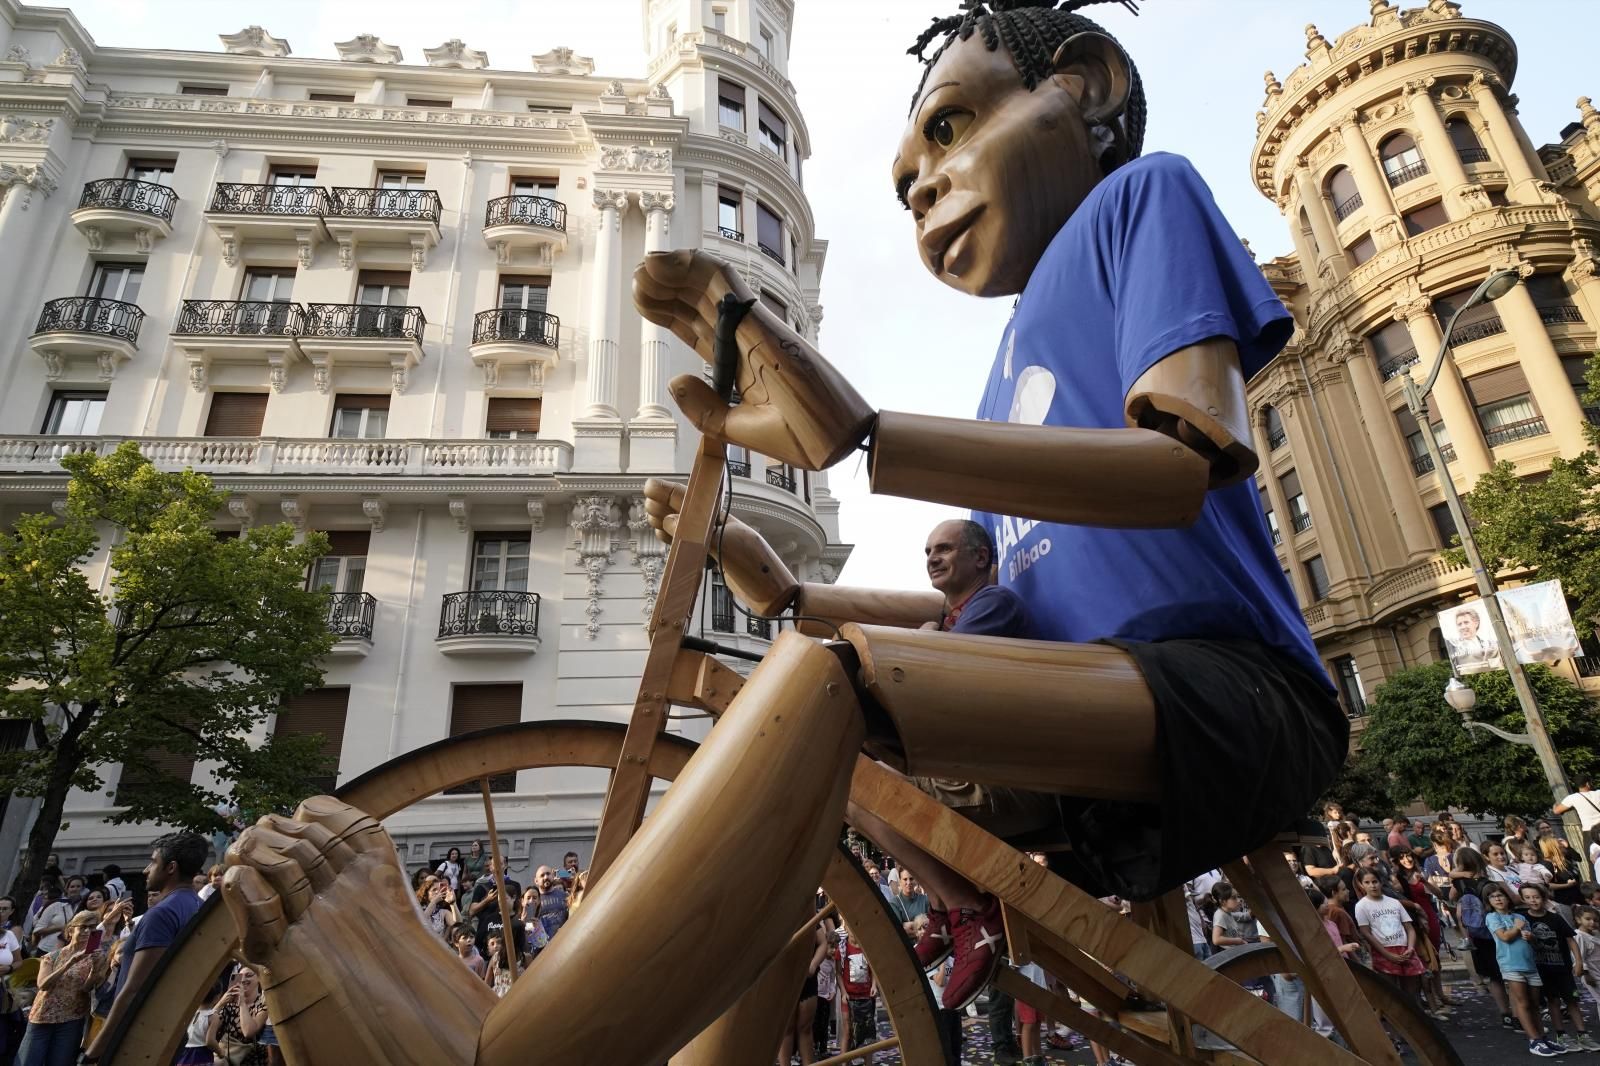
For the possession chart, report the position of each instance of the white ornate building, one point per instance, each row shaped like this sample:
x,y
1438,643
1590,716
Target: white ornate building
x,y
390,301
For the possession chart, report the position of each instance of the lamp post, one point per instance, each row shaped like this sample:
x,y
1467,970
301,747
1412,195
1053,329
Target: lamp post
x,y
1458,695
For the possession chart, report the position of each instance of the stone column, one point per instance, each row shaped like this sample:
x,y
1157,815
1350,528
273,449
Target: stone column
x,y
1541,364
1584,275
598,443
710,191
1507,146
1326,514
1316,207
747,209
1280,508
653,433
1393,459
1437,147
1448,402
1362,159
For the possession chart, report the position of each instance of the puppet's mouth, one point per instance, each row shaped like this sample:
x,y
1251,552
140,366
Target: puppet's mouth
x,y
938,241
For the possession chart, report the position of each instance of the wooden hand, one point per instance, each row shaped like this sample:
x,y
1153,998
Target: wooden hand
x,y
795,406
755,574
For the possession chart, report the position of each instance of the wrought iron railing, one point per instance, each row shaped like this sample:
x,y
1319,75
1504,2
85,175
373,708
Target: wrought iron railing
x,y
1515,431
526,210
1301,521
391,321
126,194
91,314
1553,314
350,614
1447,452
516,324
1473,155
1277,534
240,318
1421,464
1588,665
731,234
1409,172
1476,331
758,627
231,198
1396,364
771,253
776,476
1276,439
1346,207
348,202
739,467
492,613
722,617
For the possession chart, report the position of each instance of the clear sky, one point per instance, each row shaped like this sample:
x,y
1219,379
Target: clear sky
x,y
907,342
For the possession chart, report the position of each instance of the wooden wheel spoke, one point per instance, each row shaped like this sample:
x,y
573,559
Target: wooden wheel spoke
x,y
508,939
857,1054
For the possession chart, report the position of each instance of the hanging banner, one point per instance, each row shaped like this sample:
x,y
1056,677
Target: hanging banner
x,y
1536,616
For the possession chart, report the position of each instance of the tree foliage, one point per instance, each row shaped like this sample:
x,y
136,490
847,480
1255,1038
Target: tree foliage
x,y
1363,789
1419,742
1548,524
197,641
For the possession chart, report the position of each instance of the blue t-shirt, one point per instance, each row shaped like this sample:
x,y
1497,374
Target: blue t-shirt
x,y
1514,956
993,611
159,927
1145,266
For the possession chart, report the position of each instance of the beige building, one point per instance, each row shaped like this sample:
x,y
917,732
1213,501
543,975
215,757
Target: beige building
x,y
1396,156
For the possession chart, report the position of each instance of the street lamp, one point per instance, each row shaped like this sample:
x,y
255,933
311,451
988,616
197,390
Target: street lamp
x,y
1463,699
1458,695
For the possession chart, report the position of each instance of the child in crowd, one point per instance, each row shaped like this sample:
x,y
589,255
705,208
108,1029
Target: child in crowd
x,y
1389,932
1555,952
498,970
1589,946
1529,869
466,947
1232,924
860,993
1513,944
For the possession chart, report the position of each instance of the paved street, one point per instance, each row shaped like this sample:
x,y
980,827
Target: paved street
x,y
1475,1032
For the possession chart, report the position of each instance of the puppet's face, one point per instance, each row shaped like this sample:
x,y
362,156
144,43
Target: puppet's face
x,y
991,170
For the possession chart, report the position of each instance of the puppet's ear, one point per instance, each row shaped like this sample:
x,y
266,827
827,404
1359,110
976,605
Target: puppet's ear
x,y
1102,69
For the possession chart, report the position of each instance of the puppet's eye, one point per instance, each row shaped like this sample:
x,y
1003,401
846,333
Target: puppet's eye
x,y
946,125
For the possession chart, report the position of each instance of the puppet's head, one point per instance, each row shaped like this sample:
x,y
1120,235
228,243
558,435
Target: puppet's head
x,y
1022,110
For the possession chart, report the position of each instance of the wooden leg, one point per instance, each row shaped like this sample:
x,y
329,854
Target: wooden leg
x,y
1276,898
508,940
1161,970
1168,918
672,939
1062,1009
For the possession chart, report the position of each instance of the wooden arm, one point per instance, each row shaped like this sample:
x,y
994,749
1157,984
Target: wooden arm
x,y
841,604
1196,396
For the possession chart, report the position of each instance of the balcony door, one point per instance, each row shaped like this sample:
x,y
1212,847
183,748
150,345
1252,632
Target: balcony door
x,y
293,192
513,417
266,294
382,295
344,568
360,417
75,413
117,281
500,562
155,171
401,179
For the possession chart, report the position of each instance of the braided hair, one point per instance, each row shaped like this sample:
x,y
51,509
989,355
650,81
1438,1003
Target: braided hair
x,y
1031,31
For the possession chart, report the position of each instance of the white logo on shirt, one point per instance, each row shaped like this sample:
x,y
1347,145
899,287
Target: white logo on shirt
x,y
1011,346
1030,403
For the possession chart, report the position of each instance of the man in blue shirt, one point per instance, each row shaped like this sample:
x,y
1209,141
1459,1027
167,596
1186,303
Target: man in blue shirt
x,y
174,861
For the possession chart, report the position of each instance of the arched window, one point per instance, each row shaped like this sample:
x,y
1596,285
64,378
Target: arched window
x,y
1274,426
1402,160
1466,141
1308,233
1343,193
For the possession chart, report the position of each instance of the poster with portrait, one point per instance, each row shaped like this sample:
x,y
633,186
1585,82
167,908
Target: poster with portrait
x,y
1536,616
1470,638
1540,624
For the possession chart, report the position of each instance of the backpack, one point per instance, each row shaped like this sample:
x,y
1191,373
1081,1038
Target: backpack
x,y
1470,911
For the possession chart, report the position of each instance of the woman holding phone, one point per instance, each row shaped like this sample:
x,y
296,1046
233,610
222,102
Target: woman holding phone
x,y
67,977
237,1021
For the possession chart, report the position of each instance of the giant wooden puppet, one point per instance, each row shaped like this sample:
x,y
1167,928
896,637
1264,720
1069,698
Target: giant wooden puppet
x,y
1172,714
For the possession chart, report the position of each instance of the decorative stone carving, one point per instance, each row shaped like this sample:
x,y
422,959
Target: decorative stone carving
x,y
458,511
59,506
562,60
1437,10
649,553
1474,198
243,508
616,199
595,521
304,250
1409,307
96,239
1589,116
253,41
399,374
637,158
491,372
656,201
366,48
107,364
536,515
321,374
536,371
1274,86
69,57
18,54
277,372
614,91
658,92
347,252
230,250
197,372
1315,41
455,54
293,512
376,511
24,179
54,365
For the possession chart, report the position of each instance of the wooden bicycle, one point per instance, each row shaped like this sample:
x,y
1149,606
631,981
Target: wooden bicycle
x,y
1102,957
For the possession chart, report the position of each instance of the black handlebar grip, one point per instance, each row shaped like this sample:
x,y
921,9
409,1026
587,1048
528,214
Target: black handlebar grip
x,y
725,355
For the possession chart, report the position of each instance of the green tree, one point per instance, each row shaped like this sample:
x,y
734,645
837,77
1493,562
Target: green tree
x,y
198,640
1547,524
1363,789
1419,741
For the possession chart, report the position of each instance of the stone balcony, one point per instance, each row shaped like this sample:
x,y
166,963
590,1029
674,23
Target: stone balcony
x,y
513,336
288,456
86,327
489,622
535,224
241,213
355,216
114,208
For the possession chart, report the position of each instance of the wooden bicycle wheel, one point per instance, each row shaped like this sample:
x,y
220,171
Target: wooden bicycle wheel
x,y
151,1032
1399,1011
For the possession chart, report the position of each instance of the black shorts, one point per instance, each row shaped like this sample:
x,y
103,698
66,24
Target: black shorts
x,y
1484,960
809,989
1246,741
1558,983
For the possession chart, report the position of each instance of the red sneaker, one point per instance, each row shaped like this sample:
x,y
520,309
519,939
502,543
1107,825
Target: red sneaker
x,y
935,943
980,940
